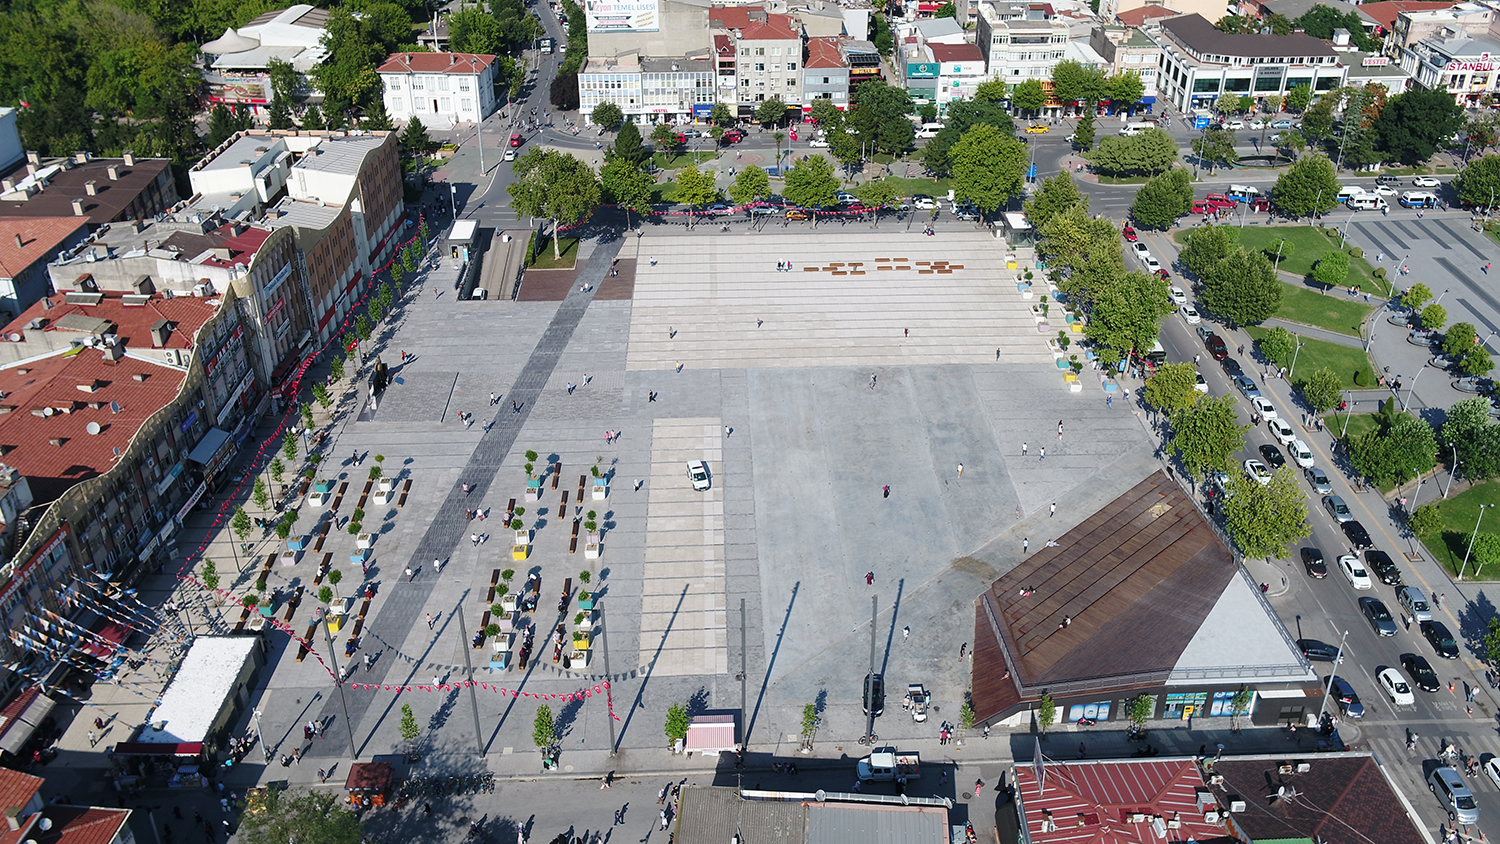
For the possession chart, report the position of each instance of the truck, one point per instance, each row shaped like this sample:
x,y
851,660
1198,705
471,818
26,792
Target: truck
x,y
546,45
887,764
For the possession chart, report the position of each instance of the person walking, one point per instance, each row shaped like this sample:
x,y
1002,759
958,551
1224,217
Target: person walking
x,y
430,621
978,787
1026,545
963,649
1052,509
1059,428
1023,449
620,813
905,633
869,578
960,470
1043,451
872,380
885,491
409,574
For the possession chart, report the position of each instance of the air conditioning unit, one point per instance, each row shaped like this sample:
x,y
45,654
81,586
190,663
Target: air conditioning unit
x,y
1174,823
1303,767
1284,769
1137,817
1210,817
1216,779
1236,804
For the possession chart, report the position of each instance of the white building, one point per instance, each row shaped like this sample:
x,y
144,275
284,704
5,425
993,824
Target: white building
x,y
441,89
237,75
1452,60
1200,63
940,73
648,90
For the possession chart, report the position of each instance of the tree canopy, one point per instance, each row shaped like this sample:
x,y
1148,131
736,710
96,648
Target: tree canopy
x,y
554,185
1264,519
1401,445
1073,81
1477,438
307,817
1147,153
1412,124
1242,289
879,118
1478,185
810,183
988,167
1160,202
1056,195
1309,186
1206,435
962,116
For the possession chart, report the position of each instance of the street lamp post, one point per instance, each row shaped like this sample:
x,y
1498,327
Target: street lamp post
x,y
1316,202
1277,267
1328,690
453,198
1453,472
1295,352
1345,232
1472,536
1348,409
265,755
1416,496
1413,387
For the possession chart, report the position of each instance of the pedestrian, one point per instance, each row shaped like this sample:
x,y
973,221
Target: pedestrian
x,y
885,491
409,574
436,680
986,730
1109,401
570,388
493,398
906,332
430,621
963,649
1052,509
620,813
1023,449
474,538
427,809
1059,429
606,783
663,818
92,738
728,430
872,380
869,578
638,485
960,470
1082,750
1043,451
978,787
905,633
661,796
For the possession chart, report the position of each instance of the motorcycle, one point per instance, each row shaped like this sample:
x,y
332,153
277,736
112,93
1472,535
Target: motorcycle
x,y
1087,722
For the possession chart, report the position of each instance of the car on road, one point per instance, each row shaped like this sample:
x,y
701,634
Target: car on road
x,y
1301,454
1383,567
1316,651
845,198
1312,562
1272,457
1152,265
1382,190
1420,670
698,475
923,202
967,213
1177,295
1216,348
817,142
1190,314
1199,384
1318,480
510,155
1246,386
1257,471
1356,534
1233,124
1354,572
1436,633
1281,431
1337,508
1492,770
1141,250
1448,786
1426,182
1129,234
1378,616
1036,129
874,697
797,214
1282,124
733,136
1231,366
718,209
1347,699
1263,406
1395,687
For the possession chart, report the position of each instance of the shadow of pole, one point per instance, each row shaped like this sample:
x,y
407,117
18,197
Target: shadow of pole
x,y
650,669
771,663
891,634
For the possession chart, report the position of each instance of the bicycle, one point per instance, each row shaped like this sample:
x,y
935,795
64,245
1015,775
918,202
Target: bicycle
x,y
869,739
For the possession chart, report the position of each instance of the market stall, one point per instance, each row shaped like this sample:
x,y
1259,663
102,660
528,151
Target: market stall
x,y
369,783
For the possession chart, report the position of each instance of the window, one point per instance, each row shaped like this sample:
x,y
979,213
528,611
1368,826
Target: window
x,y
744,51
760,51
416,83
442,83
760,67
463,84
465,104
447,104
825,80
791,65
393,84
421,103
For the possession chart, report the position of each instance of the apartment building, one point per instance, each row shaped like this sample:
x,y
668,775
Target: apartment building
x,y
1466,66
649,90
98,190
768,51
1129,50
27,244
825,73
440,89
1024,41
1199,63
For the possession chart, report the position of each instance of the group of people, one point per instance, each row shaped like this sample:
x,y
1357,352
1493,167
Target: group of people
x,y
783,266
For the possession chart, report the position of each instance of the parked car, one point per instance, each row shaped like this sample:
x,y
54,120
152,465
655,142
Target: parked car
x,y
1257,471
1231,366
1316,651
923,202
698,475
1395,687
1448,786
1426,182
1177,295
1246,386
1263,406
1216,348
874,697
1318,479
1272,456
1129,234
1200,385
1383,567
1301,454
1421,673
1312,562
966,212
1441,640
1347,699
1337,508
1282,124
1378,616
1357,535
797,214
1281,431
1190,314
1354,572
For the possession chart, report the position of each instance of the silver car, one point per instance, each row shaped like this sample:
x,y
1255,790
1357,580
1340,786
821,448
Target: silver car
x,y
1318,479
1337,509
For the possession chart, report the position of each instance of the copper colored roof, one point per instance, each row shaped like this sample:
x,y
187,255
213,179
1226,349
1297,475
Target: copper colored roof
x,y
775,28
724,45
824,53
17,788
1385,12
956,52
40,239
82,825
1341,799
1140,14
1094,802
436,63
1114,605
112,196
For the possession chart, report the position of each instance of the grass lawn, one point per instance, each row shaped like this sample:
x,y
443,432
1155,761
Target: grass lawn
x,y
1308,245
663,192
544,259
1317,354
1492,234
1309,307
674,160
1459,515
1359,423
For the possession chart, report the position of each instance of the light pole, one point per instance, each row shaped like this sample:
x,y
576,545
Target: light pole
x,y
338,681
1317,202
265,755
1348,409
1413,388
1345,232
1328,690
1277,267
1472,536
1402,266
1416,495
1295,352
453,198
1453,472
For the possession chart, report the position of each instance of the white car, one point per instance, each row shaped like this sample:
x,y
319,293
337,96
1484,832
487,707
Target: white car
x,y
1177,295
1257,471
1257,124
510,155
1200,385
845,198
1266,410
1141,249
1301,454
1426,182
924,202
1492,770
1355,572
1235,124
1281,431
818,142
1396,688
1153,266
698,474
1190,314
1383,190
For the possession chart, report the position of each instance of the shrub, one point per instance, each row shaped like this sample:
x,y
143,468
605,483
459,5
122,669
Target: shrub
x,y
492,630
1380,273
496,609
1356,252
1362,377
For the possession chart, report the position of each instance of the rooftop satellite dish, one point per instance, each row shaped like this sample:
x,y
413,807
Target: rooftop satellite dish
x,y
114,407
93,428
47,411
14,337
45,824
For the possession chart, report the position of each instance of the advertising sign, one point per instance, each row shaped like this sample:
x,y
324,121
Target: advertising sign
x,y
621,15
921,70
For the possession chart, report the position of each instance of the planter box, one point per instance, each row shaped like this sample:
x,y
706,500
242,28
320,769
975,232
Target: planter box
x,y
323,485
523,537
581,641
534,490
519,552
508,602
364,540
1038,313
591,551
359,556
296,543
586,603
578,660
1075,386
588,622
600,489
288,558
320,499
386,484
1043,328
385,497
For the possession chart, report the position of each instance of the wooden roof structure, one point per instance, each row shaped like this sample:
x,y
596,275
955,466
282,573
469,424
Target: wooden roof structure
x,y
1109,608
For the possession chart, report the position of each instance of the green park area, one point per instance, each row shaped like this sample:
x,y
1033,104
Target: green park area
x,y
1457,516
1354,425
1334,312
1343,360
1309,245
545,260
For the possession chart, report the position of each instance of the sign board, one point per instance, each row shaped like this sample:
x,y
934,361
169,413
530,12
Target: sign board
x,y
921,70
1482,66
1375,61
622,15
192,499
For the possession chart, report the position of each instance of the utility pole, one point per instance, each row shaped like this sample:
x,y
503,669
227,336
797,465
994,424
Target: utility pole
x,y
604,648
744,670
869,701
463,637
338,680
1328,690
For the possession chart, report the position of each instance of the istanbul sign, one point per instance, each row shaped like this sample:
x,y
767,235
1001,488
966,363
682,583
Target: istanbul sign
x,y
1484,65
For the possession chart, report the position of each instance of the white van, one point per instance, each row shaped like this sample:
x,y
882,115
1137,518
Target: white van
x,y
1368,202
1348,193
1133,129
929,130
1418,199
1246,191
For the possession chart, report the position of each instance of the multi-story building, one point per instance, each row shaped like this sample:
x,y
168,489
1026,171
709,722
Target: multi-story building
x,y
1386,13
27,244
1452,60
62,823
825,73
1199,63
1211,9
768,56
649,90
1413,25
99,190
940,73
238,74
1025,41
1128,50
440,89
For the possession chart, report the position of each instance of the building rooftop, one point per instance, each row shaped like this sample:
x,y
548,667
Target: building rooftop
x,y
1141,593
26,240
1384,13
52,400
246,150
735,17
705,813
465,63
1293,9
299,212
824,53
197,692
1096,802
340,155
937,27
80,825
1140,15
293,34
956,53
1462,44
774,28
1342,798
67,180
1200,36
677,64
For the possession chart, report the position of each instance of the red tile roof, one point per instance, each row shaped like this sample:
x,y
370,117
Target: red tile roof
x,y
732,17
436,63
16,790
724,45
1093,802
1385,12
55,382
40,239
1343,798
956,52
1141,14
824,52
82,825
775,28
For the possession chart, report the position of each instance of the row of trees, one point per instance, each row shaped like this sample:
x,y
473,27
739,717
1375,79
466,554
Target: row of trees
x,y
1239,285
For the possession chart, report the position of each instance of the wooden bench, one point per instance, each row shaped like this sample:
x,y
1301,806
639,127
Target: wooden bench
x,y
291,605
364,608
885,268
811,269
312,630
573,545
556,473
405,488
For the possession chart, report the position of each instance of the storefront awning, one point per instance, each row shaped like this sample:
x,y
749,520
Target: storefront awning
x,y
22,717
207,447
144,748
711,734
113,633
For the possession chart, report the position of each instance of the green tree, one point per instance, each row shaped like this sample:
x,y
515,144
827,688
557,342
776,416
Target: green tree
x,y
1242,290
1485,551
1389,455
1029,95
963,115
771,110
1321,388
608,115
627,147
810,182
992,91
240,524
665,136
879,118
281,115
563,92
1433,317
320,394
544,729
1308,187
1206,247
1172,387
1083,134
1073,82
1216,147
474,31
928,113
947,10
1416,297
1126,89
1263,519
414,138
1426,519
844,148
695,187
1492,640
1476,361
1481,132
1046,713
210,575
1332,270
1459,337
258,492
826,114
1274,103
1206,435
877,195
809,724
627,186
677,723
1163,200
362,327
409,729
750,184
278,469
1413,123
1127,315
1479,183
307,817
354,45
1278,346
1317,119
221,125
554,185
312,119
1298,97
1150,152
1140,709
1056,195
1468,428
988,167
376,119
289,447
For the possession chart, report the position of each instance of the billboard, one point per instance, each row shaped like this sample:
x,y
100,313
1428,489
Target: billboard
x,y
921,70
622,15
